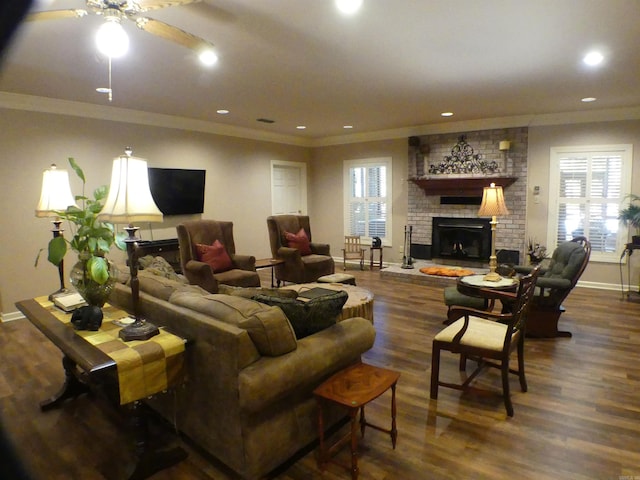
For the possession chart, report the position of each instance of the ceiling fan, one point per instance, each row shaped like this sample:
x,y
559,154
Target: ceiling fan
x,y
114,11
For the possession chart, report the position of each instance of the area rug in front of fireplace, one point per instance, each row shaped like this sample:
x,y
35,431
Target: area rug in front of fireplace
x,y
447,271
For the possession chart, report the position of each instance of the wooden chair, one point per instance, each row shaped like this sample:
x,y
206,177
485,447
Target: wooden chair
x,y
352,250
487,337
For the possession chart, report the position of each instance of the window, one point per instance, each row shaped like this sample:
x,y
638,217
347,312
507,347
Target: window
x,y
367,188
587,187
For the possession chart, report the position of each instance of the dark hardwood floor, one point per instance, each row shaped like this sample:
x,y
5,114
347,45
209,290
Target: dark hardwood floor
x,y
580,418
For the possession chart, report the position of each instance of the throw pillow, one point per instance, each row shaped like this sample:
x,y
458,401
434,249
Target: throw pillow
x,y
298,240
215,255
310,317
159,266
250,292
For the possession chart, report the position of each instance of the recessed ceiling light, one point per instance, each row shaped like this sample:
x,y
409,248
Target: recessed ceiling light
x,y
447,114
588,99
301,127
348,6
222,111
593,58
348,126
208,57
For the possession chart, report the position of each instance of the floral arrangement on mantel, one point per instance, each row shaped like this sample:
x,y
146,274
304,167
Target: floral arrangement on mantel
x,y
537,253
463,160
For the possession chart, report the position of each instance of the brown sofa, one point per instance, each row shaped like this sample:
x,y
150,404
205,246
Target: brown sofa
x,y
248,397
297,268
243,272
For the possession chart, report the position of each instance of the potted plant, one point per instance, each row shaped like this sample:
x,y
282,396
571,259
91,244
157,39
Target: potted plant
x,y
536,252
630,216
93,275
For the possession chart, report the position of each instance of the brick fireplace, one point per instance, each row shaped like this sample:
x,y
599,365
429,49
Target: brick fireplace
x,y
454,196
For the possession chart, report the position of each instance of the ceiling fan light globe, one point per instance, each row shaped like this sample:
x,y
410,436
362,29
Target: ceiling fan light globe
x,y
348,7
112,40
208,57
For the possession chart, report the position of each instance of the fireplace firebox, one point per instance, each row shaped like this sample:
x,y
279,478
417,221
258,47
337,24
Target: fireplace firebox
x,y
461,239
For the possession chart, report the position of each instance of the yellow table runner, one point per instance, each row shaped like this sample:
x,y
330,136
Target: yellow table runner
x,y
144,367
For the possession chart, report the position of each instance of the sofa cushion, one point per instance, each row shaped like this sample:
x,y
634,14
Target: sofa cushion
x,y
157,285
215,255
267,326
309,317
250,292
298,240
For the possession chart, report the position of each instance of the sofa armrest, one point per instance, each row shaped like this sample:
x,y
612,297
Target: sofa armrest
x,y
317,357
200,273
527,269
290,255
320,248
244,262
556,283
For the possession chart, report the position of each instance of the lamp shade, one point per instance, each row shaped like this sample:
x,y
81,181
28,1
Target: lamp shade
x,y
129,198
56,193
493,204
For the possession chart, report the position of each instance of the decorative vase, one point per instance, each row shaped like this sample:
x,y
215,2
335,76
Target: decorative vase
x,y
95,293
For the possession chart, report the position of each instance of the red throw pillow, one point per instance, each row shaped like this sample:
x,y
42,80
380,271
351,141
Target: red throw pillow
x,y
299,241
215,255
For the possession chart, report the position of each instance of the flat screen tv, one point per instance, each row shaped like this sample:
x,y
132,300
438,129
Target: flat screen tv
x,y
177,191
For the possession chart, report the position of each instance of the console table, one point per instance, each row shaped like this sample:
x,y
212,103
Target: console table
x,y
92,359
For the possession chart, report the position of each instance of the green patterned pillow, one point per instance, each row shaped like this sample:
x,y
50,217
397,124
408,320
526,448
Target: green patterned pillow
x,y
250,292
312,316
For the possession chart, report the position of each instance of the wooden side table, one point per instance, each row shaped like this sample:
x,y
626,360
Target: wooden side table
x,y
371,250
85,364
269,263
353,388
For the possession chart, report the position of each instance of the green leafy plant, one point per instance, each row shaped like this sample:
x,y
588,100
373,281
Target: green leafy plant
x,y
536,252
92,239
630,215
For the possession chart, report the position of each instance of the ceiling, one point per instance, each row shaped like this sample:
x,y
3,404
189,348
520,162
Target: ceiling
x,y
397,64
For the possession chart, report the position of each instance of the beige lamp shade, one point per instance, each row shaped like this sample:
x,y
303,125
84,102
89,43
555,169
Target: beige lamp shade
x,y
56,193
493,204
129,198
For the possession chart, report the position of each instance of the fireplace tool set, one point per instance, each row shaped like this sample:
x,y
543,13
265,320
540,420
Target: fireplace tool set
x,y
407,261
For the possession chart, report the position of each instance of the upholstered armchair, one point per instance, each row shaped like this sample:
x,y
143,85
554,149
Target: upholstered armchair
x,y
555,282
208,256
304,260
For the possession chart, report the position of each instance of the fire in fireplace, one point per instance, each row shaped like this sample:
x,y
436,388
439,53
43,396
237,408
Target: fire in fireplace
x,y
461,238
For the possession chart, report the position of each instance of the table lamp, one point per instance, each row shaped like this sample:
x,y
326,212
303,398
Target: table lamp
x,y
493,205
55,197
130,201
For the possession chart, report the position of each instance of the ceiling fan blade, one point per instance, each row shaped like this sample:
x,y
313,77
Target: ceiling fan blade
x,y
55,15
172,33
146,5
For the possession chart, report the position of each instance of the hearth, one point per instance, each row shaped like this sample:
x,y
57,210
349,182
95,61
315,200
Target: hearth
x,y
461,239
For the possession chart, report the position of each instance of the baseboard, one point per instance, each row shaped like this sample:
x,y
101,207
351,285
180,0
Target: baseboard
x,y
9,317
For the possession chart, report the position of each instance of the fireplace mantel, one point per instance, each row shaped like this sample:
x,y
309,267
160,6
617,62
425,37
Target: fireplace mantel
x,y
459,187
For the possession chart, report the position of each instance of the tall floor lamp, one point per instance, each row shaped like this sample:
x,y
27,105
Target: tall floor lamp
x,y
493,205
130,201
55,197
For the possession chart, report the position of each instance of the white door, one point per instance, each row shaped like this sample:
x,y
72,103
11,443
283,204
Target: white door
x,y
288,188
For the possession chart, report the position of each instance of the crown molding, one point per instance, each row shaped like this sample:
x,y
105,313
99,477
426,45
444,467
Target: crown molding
x,y
56,106
33,103
563,118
